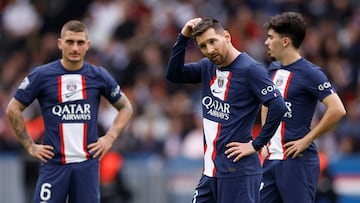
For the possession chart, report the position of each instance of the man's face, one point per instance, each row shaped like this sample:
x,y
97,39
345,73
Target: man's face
x,y
275,45
74,46
214,46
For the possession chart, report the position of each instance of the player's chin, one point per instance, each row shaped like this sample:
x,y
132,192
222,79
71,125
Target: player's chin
x,y
272,58
75,59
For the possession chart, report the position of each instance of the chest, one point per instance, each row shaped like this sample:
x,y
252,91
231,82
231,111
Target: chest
x,y
292,85
67,88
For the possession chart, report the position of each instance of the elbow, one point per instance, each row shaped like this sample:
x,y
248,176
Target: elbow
x,y
8,111
11,110
131,111
342,112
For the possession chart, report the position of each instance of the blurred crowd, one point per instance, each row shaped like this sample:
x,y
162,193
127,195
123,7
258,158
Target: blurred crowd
x,y
133,38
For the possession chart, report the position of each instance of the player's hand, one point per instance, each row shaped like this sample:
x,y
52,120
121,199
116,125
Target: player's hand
x,y
188,27
103,145
294,148
264,151
239,150
41,152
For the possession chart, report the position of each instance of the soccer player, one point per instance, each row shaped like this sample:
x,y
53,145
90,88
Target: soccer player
x,y
68,91
291,167
233,87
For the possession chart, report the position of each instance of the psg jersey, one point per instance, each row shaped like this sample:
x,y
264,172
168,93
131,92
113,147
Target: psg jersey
x,y
230,98
69,103
302,84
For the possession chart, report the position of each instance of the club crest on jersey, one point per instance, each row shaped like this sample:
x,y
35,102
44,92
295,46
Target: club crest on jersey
x,y
279,82
220,82
71,86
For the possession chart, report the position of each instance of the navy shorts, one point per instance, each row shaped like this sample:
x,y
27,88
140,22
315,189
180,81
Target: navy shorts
x,y
243,189
289,181
76,182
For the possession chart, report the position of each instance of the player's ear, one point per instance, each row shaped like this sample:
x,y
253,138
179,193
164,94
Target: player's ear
x,y
227,35
59,43
286,41
88,45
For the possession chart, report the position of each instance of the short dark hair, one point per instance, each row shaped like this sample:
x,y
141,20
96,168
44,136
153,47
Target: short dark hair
x,y
75,26
205,24
289,24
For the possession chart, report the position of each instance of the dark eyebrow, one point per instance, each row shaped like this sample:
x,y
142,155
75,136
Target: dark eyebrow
x,y
71,40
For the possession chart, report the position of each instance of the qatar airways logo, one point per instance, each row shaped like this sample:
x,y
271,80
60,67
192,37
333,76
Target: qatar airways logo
x,y
216,108
72,112
288,113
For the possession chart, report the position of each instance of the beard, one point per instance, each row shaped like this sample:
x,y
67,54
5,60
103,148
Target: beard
x,y
218,60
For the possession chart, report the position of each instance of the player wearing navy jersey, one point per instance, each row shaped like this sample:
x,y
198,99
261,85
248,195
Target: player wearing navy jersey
x,y
233,87
69,91
291,167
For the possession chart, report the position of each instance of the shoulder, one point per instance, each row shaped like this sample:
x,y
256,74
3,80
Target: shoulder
x,y
97,73
247,61
95,70
310,69
44,70
251,66
275,65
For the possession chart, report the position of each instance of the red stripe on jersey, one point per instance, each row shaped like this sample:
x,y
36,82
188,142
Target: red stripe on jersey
x,y
59,89
283,138
214,152
283,123
213,80
287,85
227,86
85,141
62,144
83,86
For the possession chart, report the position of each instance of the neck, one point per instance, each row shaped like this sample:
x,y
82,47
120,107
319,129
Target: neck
x,y
290,58
232,55
70,65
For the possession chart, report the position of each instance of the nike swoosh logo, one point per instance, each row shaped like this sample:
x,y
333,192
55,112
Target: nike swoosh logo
x,y
69,95
216,91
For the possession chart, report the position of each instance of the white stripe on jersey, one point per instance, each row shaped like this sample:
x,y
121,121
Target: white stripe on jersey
x,y
276,150
71,87
73,141
211,130
219,84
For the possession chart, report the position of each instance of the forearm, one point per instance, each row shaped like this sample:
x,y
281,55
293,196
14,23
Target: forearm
x,y
125,112
120,122
177,59
326,124
17,122
335,110
276,110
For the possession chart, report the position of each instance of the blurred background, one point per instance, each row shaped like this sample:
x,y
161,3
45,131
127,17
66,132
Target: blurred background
x,y
158,159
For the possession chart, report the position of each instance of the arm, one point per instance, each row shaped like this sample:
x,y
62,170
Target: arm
x,y
335,110
14,113
264,111
123,116
175,67
276,109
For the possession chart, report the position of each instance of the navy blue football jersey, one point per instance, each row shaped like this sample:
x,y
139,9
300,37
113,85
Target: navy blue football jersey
x,y
230,98
302,84
69,103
